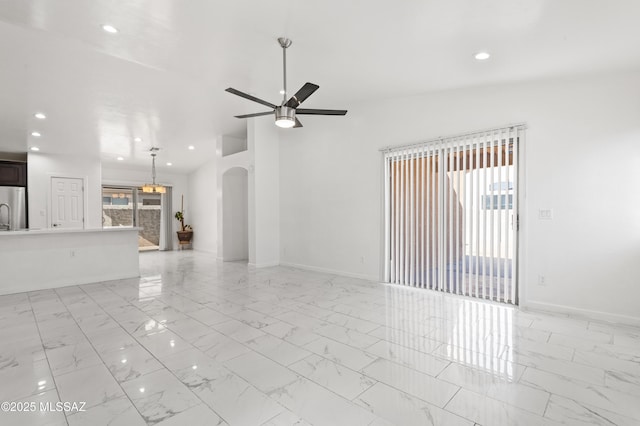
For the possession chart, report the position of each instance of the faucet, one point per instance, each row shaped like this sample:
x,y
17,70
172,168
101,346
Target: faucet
x,y
8,224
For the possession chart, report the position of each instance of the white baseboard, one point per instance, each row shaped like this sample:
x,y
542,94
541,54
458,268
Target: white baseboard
x,y
201,250
587,314
264,265
330,271
232,259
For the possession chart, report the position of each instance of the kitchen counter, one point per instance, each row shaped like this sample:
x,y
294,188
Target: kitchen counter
x,y
39,259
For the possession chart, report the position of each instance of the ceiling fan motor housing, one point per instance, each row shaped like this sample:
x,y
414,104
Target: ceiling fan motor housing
x,y
285,115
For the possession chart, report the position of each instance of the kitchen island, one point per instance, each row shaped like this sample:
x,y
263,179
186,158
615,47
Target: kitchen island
x,y
51,258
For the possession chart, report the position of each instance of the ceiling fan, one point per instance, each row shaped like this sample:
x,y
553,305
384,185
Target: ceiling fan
x,y
286,113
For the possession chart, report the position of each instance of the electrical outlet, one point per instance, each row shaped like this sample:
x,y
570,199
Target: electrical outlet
x,y
542,280
72,253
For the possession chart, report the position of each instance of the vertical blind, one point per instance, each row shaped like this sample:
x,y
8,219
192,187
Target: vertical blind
x,y
451,214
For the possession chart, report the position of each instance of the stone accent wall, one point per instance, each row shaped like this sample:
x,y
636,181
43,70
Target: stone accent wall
x,y
117,217
149,220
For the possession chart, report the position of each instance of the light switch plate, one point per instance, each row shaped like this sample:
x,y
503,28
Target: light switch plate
x,y
545,214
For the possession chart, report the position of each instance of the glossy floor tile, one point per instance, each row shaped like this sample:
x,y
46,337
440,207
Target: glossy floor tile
x,y
199,342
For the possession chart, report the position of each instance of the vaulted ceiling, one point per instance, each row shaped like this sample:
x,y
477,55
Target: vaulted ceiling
x,y
162,76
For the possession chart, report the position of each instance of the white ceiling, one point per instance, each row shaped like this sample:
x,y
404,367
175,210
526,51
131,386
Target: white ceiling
x,y
162,77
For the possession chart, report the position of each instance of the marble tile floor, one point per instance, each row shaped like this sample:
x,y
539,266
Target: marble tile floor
x,y
198,342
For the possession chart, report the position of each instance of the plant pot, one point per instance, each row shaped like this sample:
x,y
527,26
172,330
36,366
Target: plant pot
x,y
184,237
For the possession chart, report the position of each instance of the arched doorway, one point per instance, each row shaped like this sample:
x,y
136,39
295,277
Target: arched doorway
x,y
235,215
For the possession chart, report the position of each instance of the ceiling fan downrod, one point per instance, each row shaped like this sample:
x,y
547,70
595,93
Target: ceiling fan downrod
x,y
284,43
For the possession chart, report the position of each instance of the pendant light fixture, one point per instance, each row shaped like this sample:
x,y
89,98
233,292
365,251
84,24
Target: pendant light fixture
x,y
153,187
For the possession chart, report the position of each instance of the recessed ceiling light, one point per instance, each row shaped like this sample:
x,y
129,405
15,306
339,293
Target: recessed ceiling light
x,y
169,164
39,116
110,28
191,147
36,134
137,139
35,148
481,56
282,92
120,158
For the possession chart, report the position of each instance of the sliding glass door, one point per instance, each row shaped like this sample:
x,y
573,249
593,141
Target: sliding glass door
x,y
129,206
451,215
118,207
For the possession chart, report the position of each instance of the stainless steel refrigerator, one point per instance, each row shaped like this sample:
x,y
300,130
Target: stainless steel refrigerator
x,y
13,208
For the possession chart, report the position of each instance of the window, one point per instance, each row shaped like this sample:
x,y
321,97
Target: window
x,y
497,202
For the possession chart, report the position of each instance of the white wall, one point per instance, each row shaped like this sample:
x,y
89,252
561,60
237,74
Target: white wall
x,y
581,159
204,207
178,183
235,215
232,145
263,140
42,167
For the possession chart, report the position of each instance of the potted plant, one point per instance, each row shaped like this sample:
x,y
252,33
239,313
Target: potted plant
x,y
186,233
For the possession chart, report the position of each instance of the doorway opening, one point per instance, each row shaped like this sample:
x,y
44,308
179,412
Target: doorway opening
x,y
235,215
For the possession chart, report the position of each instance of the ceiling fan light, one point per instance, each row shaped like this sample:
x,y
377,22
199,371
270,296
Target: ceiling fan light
x,y
285,117
285,123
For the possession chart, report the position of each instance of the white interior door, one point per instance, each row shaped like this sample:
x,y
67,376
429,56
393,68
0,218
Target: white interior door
x,y
67,202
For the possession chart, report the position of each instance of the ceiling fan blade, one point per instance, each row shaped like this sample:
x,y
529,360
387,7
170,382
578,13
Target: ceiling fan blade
x,y
302,94
298,124
251,98
257,114
321,111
